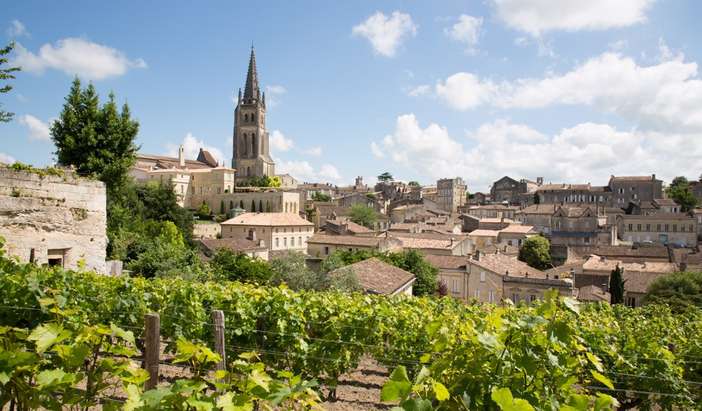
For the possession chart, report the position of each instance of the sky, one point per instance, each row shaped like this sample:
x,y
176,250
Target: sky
x,y
572,91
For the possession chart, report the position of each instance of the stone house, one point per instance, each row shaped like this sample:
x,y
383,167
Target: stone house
x,y
53,217
482,240
278,231
514,235
573,194
596,270
538,215
577,227
509,190
493,277
322,245
660,228
344,226
377,277
493,211
451,193
634,188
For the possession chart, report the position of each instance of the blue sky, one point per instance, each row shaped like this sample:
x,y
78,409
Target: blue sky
x,y
572,91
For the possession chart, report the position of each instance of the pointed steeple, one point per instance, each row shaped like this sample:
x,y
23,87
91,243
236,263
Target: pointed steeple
x,y
251,90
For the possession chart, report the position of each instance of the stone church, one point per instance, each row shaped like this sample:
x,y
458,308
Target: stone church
x,y
251,157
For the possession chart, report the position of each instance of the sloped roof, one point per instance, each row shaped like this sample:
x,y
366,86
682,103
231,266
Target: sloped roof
x,y
206,157
518,229
344,240
268,220
593,293
233,244
378,277
545,209
631,178
484,233
450,262
503,264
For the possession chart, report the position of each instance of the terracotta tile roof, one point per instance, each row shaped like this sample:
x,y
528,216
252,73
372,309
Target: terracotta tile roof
x,y
596,263
518,229
268,220
502,264
143,160
377,277
350,225
206,157
614,251
449,262
665,202
427,243
345,240
484,233
638,282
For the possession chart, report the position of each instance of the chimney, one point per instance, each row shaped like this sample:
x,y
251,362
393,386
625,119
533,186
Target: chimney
x,y
252,234
181,156
539,181
476,256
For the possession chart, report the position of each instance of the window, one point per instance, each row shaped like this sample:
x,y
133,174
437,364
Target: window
x,y
454,286
666,228
285,242
675,228
515,298
532,298
658,227
491,296
648,227
482,276
292,241
326,250
638,227
277,243
476,294
631,227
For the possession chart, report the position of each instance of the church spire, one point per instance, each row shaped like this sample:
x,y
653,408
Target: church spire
x,y
251,90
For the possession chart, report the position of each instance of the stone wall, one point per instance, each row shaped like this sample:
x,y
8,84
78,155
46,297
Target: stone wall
x,y
53,219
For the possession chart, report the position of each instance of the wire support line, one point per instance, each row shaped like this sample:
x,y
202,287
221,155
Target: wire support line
x,y
653,378
626,390
330,359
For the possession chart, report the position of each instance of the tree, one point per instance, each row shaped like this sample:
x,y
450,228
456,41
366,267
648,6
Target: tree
x,y
385,177
291,269
413,183
97,141
681,291
537,199
363,215
166,255
204,211
616,286
228,265
679,190
6,74
536,253
319,196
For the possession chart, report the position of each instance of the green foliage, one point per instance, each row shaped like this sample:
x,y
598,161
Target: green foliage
x,y
552,354
264,181
385,177
290,269
413,183
97,140
134,214
535,251
363,215
228,265
409,260
204,211
616,286
319,196
681,291
6,73
41,172
680,191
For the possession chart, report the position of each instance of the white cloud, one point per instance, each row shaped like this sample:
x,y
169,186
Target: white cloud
x,y
273,92
38,130
587,152
539,16
304,171
376,150
419,90
313,151
191,148
17,29
276,89
386,33
667,95
76,56
464,91
7,159
618,45
467,31
279,142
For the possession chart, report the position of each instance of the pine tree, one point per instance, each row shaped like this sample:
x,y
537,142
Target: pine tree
x,y
97,141
6,74
616,286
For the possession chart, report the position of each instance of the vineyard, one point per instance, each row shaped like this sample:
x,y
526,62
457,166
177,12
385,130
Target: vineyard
x,y
66,339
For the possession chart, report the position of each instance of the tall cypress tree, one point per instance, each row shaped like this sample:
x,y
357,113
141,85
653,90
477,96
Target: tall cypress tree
x,y
616,286
97,141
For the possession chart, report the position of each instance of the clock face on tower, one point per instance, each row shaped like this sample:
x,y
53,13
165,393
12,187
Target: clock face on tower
x,y
251,156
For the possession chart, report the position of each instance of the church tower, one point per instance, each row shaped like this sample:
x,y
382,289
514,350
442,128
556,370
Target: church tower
x,y
251,157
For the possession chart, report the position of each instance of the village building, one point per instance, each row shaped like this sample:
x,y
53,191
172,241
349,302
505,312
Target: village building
x,y
451,194
575,226
634,188
678,229
493,277
434,243
493,211
537,215
53,217
344,226
278,231
509,190
377,277
322,245
573,194
597,269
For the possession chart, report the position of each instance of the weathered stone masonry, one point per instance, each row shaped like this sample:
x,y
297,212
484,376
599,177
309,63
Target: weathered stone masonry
x,y
56,220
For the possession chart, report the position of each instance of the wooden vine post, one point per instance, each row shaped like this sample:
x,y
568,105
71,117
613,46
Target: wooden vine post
x,y
218,320
152,348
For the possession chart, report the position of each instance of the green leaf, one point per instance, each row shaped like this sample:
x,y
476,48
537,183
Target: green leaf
x,y
47,335
605,402
440,391
595,361
503,398
601,378
417,404
54,377
260,378
488,340
572,304
4,377
397,387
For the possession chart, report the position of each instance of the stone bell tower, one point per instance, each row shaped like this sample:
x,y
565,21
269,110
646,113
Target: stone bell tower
x,y
251,156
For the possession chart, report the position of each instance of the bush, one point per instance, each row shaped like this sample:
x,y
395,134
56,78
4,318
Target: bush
x,y
536,252
680,291
228,265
